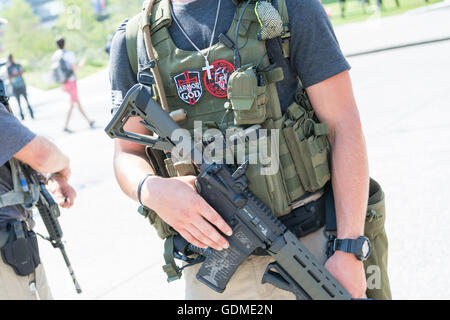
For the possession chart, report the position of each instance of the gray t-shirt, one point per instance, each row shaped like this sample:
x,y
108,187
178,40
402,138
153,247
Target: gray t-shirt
x,y
13,137
315,52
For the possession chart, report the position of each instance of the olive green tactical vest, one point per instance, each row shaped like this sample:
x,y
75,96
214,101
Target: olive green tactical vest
x,y
241,96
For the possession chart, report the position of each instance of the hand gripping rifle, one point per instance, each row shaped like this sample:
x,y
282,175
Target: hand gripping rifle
x,y
49,212
254,225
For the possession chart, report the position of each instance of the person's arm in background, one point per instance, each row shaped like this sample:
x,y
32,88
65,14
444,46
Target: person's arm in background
x,y
72,59
21,70
18,142
10,75
45,157
335,105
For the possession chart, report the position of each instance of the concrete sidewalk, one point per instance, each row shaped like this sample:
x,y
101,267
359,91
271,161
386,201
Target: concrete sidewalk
x,y
416,26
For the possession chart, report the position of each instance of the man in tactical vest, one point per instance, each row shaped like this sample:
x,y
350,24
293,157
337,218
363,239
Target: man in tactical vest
x,y
25,280
235,65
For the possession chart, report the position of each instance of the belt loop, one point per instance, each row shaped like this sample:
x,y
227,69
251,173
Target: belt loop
x,y
18,230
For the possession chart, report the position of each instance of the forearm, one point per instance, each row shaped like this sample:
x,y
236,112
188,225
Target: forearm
x,y
75,68
129,168
43,155
175,200
350,176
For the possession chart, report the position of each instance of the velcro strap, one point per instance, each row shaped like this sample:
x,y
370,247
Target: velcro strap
x,y
321,129
272,76
12,198
184,168
170,268
19,230
286,34
294,112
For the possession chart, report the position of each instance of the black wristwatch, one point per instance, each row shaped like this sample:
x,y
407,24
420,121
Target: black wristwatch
x,y
360,247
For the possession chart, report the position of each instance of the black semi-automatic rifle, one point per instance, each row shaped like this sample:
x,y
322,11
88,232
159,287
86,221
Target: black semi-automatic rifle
x,y
254,225
49,212
46,205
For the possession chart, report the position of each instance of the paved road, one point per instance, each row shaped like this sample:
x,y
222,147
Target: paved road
x,y
422,24
404,100
403,96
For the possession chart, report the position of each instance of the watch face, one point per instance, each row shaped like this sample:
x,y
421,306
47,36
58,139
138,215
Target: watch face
x,y
365,250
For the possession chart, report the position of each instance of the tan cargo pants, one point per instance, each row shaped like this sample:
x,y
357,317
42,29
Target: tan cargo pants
x,y
14,287
246,282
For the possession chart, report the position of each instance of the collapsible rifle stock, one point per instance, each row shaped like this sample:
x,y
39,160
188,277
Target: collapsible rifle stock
x,y
254,225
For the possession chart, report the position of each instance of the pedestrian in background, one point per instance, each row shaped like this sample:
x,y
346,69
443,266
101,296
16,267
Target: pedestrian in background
x,y
15,72
64,68
342,5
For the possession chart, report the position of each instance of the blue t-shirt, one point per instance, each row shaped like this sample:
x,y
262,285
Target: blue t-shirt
x,y
16,81
13,137
315,52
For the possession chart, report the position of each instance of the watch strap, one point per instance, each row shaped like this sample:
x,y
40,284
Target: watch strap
x,y
346,245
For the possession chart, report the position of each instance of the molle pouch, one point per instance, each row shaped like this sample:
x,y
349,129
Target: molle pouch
x,y
376,265
308,144
247,97
156,158
21,251
162,228
184,168
266,181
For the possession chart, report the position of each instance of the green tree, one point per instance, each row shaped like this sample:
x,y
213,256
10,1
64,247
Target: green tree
x,y
24,37
87,36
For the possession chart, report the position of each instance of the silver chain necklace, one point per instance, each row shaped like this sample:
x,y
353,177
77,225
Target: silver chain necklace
x,y
207,66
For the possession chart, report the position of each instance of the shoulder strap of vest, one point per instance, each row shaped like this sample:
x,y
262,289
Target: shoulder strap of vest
x,y
21,195
16,196
286,35
131,34
161,18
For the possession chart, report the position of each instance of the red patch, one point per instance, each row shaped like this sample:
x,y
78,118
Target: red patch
x,y
220,74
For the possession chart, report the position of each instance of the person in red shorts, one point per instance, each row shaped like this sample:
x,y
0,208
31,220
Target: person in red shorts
x,y
70,86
